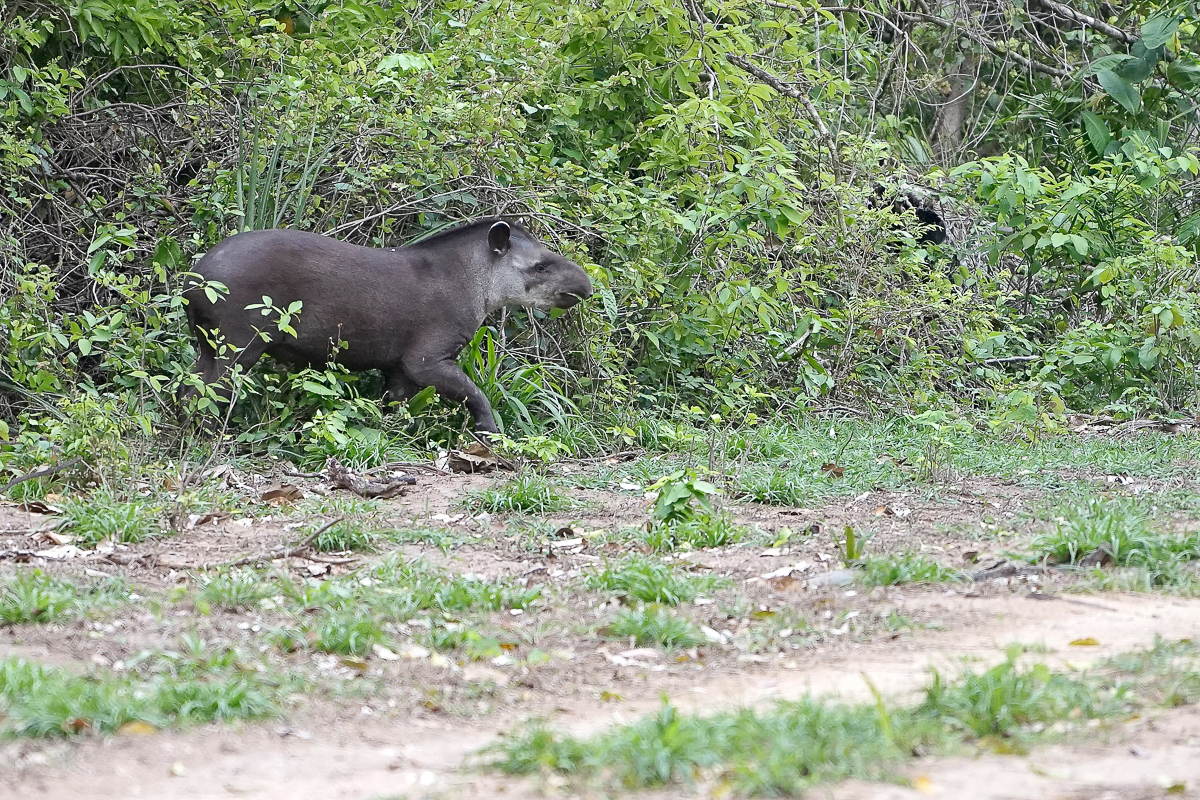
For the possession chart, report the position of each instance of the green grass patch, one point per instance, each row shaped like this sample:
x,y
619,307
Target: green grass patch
x,y
715,530
235,590
349,534
162,689
528,493
1016,703
350,614
651,581
1125,532
884,570
347,632
33,596
793,746
654,625
104,514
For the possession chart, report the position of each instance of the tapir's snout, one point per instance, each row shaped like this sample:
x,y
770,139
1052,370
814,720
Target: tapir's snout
x,y
566,299
579,290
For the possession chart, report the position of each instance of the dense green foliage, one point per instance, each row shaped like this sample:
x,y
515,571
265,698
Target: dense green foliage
x,y
711,165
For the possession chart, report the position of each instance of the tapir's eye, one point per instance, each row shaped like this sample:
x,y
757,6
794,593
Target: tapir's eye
x,y
539,267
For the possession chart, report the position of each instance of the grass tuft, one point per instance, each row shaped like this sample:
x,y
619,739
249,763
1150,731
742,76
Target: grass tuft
x,y
103,514
528,493
651,581
716,530
905,568
1126,533
34,596
236,590
654,626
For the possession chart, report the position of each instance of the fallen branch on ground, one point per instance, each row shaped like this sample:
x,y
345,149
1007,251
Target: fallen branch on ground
x,y
279,552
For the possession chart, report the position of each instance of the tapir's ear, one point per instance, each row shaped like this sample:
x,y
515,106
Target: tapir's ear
x,y
498,237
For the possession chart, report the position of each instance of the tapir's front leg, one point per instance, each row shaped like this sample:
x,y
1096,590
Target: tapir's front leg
x,y
452,383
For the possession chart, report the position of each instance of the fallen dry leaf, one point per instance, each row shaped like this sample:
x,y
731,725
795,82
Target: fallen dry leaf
x,y
196,520
383,653
38,507
833,470
282,495
137,727
413,652
52,536
1086,642
924,785
60,553
897,511
474,458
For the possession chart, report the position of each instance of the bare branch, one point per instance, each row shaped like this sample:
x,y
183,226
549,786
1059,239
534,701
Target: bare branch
x,y
1111,31
783,88
994,48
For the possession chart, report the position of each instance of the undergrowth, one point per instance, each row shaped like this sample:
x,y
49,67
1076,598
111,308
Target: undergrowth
x,y
793,746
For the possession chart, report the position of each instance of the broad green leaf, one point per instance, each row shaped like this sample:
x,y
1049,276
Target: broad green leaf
x,y
1097,132
1158,31
1120,90
318,388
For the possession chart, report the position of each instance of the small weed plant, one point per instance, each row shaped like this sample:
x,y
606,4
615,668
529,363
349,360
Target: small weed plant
x,y
654,625
528,493
651,581
685,515
106,515
682,497
905,568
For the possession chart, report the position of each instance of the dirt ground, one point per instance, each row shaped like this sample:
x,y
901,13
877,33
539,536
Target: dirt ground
x,y
389,740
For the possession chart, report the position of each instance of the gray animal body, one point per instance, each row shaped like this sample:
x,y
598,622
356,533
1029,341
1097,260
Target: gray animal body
x,y
407,312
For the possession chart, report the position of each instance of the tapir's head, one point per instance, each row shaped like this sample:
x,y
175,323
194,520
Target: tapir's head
x,y
526,273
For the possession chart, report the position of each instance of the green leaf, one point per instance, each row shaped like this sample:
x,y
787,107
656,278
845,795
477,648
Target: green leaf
x,y
1184,72
1158,31
1120,90
1097,132
1137,69
318,388
405,62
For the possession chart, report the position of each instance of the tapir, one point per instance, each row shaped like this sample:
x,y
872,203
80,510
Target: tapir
x,y
407,311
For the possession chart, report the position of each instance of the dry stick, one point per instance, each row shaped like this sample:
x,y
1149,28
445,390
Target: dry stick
x,y
41,473
280,552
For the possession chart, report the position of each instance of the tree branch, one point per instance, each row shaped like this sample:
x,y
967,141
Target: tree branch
x,y
1111,31
996,50
781,86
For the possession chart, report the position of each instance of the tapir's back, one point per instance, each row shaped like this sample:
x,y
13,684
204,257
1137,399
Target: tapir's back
x,y
365,300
